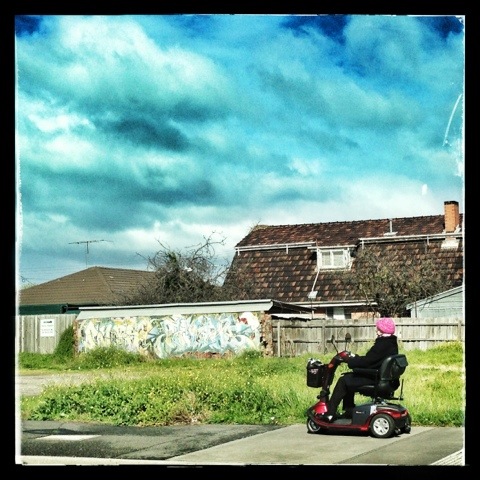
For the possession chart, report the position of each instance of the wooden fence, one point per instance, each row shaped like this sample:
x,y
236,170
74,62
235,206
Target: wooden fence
x,y
41,333
296,337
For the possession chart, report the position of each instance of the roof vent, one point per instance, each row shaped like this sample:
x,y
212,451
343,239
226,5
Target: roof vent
x,y
391,232
450,244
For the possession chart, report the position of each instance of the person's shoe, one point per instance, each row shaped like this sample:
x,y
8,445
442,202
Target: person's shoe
x,y
347,413
327,417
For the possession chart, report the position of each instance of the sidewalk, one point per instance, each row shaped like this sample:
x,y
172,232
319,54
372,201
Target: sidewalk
x,y
83,444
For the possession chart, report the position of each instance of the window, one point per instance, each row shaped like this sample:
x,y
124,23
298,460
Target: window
x,y
333,258
338,313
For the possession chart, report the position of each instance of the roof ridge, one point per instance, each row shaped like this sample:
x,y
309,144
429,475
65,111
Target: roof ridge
x,y
263,226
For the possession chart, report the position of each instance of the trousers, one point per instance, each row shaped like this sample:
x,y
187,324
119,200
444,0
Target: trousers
x,y
344,390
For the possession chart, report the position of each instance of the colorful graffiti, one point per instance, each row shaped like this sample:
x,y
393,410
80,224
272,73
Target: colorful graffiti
x,y
172,335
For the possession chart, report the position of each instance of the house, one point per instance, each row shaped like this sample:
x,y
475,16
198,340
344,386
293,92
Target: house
x,y
445,304
303,264
93,286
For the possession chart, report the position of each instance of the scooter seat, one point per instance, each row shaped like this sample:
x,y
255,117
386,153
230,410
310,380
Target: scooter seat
x,y
386,380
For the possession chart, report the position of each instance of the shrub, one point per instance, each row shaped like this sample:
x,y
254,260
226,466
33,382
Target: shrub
x,y
108,357
66,345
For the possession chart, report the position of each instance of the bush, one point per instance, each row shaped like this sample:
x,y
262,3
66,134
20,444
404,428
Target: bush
x,y
108,357
66,344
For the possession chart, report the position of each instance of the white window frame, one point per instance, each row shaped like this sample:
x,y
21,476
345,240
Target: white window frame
x,y
333,258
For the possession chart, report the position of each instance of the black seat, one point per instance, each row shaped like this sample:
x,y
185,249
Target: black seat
x,y
385,380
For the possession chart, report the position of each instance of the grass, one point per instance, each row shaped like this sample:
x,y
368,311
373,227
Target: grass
x,y
247,389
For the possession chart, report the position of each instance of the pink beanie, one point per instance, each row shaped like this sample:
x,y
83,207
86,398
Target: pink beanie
x,y
386,325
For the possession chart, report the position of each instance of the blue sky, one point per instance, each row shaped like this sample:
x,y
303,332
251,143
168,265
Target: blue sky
x,y
136,131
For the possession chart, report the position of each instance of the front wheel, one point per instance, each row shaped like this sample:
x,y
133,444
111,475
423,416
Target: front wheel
x,y
312,427
382,426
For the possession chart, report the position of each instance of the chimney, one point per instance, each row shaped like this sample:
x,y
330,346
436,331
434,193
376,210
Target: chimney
x,y
452,216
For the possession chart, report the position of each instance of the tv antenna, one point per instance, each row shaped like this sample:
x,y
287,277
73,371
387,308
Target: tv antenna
x,y
87,242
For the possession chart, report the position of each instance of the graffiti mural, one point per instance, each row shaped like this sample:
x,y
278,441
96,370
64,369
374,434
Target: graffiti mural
x,y
172,335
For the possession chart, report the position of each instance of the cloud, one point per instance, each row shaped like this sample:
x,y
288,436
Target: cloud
x,y
166,128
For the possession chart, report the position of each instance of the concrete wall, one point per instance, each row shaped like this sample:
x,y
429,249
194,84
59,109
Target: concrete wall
x,y
163,336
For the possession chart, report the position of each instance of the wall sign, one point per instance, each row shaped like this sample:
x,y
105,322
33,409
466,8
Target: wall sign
x,y
47,327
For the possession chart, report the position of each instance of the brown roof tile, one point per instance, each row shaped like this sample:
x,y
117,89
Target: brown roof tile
x,y
93,286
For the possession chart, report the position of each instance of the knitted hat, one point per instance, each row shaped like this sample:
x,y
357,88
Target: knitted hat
x,y
386,325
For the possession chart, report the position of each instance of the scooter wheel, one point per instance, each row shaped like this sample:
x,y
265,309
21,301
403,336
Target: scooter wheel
x,y
407,428
382,426
312,427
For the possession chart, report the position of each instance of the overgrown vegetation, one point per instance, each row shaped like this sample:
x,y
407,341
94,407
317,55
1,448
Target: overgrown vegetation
x,y
387,288
65,348
126,389
194,274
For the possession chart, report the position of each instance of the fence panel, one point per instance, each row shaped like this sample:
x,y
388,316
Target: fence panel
x,y
41,333
296,337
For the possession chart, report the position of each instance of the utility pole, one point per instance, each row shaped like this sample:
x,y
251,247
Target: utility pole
x,y
87,242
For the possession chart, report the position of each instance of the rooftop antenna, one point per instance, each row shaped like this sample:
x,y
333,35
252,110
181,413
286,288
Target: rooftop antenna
x,y
87,242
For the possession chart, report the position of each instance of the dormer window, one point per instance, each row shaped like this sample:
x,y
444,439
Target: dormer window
x,y
333,258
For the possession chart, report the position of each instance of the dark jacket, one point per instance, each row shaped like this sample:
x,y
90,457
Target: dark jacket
x,y
380,350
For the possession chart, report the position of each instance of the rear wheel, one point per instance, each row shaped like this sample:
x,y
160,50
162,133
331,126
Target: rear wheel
x,y
312,427
382,426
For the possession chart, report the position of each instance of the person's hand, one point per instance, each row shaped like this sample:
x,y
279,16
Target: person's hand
x,y
344,355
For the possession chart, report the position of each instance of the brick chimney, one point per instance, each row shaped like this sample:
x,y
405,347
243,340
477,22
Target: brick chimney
x,y
452,216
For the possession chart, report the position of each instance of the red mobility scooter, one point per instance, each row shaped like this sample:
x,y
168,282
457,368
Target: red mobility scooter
x,y
379,417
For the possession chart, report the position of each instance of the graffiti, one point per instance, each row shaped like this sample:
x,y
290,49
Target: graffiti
x,y
172,335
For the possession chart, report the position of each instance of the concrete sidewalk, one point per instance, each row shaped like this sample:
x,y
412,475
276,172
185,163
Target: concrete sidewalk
x,y
83,444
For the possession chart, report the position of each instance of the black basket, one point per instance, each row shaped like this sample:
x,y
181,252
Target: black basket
x,y
315,372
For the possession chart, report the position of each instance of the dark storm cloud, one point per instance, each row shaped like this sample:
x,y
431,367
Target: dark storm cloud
x,y
27,24
330,25
444,25
141,132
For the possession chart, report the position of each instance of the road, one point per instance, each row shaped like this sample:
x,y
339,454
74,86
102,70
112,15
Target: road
x,y
75,443
72,443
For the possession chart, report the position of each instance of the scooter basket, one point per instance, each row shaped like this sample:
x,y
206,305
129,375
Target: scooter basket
x,y
315,372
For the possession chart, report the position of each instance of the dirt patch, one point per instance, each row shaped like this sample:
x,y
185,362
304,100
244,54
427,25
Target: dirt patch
x,y
34,384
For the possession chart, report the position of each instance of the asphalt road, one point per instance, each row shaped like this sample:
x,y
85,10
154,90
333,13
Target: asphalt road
x,y
73,443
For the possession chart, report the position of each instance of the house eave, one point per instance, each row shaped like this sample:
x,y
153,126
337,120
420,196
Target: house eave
x,y
325,304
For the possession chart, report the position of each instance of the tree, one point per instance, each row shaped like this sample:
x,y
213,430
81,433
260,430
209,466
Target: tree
x,y
388,285
191,275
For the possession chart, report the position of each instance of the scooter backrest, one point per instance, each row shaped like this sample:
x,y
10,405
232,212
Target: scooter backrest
x,y
393,367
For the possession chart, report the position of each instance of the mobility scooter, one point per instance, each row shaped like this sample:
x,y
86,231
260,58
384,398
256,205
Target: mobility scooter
x,y
379,417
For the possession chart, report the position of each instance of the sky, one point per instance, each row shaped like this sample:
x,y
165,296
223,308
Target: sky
x,y
137,131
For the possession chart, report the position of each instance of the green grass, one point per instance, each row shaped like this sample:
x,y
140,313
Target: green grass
x,y
248,389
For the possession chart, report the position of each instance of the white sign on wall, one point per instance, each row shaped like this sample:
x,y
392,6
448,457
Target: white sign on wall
x,y
47,327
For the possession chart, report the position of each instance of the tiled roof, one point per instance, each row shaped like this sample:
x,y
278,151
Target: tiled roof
x,y
280,264
342,233
93,286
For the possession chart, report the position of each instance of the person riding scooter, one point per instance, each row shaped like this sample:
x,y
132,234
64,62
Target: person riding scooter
x,y
346,386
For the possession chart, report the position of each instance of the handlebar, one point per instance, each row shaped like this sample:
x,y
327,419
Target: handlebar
x,y
344,355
